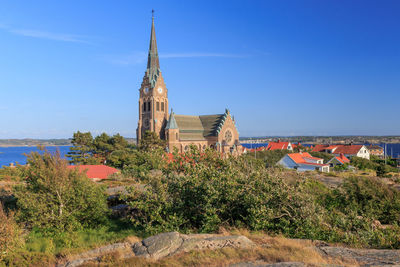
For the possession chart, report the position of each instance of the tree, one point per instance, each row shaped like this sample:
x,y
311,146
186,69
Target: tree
x,y
58,198
151,142
82,149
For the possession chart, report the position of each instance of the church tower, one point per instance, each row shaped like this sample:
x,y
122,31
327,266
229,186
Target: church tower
x,y
153,99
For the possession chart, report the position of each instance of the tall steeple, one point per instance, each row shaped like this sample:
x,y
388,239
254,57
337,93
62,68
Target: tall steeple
x,y
153,64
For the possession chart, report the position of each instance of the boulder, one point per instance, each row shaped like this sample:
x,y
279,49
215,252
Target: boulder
x,y
168,244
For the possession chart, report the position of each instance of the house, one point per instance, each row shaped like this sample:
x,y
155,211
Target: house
x,y
376,150
96,172
279,146
303,162
347,150
338,160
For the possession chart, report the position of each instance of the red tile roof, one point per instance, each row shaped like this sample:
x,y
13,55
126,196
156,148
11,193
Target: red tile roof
x,y
340,149
342,159
348,149
319,148
95,171
299,158
277,145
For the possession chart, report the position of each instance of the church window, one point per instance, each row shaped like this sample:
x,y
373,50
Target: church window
x,y
162,106
177,136
148,106
158,106
144,107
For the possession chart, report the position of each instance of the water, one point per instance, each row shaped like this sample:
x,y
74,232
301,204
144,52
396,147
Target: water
x,y
16,154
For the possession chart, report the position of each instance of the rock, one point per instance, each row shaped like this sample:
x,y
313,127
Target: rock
x,y
365,257
168,244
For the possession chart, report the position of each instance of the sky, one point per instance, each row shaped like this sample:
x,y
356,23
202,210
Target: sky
x,y
295,67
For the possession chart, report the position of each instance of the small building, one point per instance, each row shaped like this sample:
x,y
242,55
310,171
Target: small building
x,y
348,150
376,150
303,161
279,146
95,172
338,160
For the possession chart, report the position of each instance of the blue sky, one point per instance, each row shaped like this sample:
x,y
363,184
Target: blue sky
x,y
281,67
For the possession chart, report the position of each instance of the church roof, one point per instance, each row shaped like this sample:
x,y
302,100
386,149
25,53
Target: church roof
x,y
171,124
199,127
153,63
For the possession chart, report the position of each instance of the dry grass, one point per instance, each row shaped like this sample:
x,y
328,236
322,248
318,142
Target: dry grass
x,y
269,249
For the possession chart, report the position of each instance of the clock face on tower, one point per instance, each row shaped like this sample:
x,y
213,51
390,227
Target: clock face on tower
x,y
159,90
146,90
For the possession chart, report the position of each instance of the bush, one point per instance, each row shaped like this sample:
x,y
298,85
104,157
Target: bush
x,y
200,192
56,198
9,233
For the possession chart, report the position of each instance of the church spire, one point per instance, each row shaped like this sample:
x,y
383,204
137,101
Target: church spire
x,y
153,64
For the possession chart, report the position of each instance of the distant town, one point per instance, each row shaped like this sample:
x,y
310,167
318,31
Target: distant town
x,y
248,140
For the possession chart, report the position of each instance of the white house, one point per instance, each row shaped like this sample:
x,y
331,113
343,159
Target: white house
x,y
348,151
303,162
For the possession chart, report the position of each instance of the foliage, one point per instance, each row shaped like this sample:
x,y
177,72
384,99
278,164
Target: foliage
x,y
82,149
10,234
56,198
200,192
382,170
270,157
151,142
363,164
89,150
341,167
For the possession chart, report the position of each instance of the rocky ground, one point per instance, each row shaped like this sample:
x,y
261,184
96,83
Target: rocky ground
x,y
173,249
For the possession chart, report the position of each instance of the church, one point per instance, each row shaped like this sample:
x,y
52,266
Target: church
x,y
217,131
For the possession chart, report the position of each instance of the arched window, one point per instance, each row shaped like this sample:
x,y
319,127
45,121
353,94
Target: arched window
x,y
186,148
177,136
162,106
158,106
144,107
204,147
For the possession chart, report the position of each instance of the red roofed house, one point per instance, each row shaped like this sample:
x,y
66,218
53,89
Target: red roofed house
x,y
347,150
338,160
303,162
279,146
96,172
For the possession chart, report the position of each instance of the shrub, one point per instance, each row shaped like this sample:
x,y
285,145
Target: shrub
x,y
9,233
56,198
202,191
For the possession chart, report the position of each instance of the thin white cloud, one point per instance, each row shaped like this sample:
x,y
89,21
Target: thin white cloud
x,y
140,57
46,35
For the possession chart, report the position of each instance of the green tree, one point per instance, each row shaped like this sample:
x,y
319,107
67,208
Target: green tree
x,y
151,142
56,198
82,150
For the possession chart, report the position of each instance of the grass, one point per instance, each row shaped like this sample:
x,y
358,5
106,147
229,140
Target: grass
x,y
269,249
66,243
42,250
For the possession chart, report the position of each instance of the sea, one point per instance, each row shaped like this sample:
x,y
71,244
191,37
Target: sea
x,y
17,154
392,150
